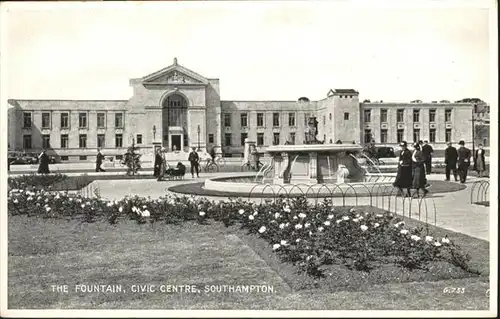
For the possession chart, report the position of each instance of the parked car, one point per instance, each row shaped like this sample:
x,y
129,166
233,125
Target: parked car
x,y
22,158
385,151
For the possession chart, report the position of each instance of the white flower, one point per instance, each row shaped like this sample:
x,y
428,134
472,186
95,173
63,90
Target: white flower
x,y
415,237
15,201
287,224
399,224
120,209
134,209
379,215
82,205
46,200
145,213
116,202
277,215
262,229
297,240
30,198
376,225
357,215
109,204
48,209
37,204
241,212
327,223
144,207
310,233
355,220
282,226
302,215
361,218
202,213
330,216
251,217
88,203
39,197
437,244
295,217
364,227
307,225
308,258
338,221
57,196
320,228
286,209
445,240
352,210
255,213
345,218
283,243
276,246
298,226
404,231
429,238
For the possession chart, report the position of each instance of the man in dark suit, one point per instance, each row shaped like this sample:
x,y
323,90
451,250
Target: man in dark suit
x,y
427,151
464,155
450,160
98,161
194,160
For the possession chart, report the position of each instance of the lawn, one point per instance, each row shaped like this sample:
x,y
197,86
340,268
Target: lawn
x,y
45,252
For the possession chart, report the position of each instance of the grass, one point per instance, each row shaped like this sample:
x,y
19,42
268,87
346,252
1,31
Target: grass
x,y
49,252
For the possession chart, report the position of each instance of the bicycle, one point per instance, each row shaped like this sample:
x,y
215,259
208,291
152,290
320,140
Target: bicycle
x,y
213,164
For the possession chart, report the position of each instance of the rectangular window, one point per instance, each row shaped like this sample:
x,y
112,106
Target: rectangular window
x,y
83,141
227,119
64,158
292,137
276,138
210,138
82,120
260,139
46,141
243,138
400,115
119,157
27,120
260,119
244,119
291,119
119,120
276,119
324,119
400,135
416,135
64,141
432,135
447,115
227,139
83,157
416,115
64,120
383,115
368,136
346,116
383,136
101,140
118,140
139,139
367,116
45,120
432,115
448,135
27,141
101,120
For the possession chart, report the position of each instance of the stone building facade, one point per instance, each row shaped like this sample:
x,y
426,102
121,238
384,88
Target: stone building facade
x,y
177,108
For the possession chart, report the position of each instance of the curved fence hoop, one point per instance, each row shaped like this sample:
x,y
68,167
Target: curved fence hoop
x,y
266,187
349,186
298,187
251,191
281,188
319,191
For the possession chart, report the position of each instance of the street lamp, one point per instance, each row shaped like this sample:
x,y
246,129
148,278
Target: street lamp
x,y
198,130
154,132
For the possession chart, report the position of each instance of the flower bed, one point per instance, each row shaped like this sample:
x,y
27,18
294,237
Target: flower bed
x,y
310,237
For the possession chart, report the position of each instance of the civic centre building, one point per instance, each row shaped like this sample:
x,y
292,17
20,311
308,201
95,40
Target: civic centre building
x,y
177,108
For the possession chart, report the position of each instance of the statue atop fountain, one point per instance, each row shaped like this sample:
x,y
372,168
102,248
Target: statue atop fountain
x,y
312,132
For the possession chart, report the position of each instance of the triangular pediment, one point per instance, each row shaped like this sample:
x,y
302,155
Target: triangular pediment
x,y
174,74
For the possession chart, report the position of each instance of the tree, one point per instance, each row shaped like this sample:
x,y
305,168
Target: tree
x,y
481,132
132,159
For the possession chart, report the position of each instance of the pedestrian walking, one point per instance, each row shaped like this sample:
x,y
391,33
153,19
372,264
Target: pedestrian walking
x,y
43,159
157,163
194,160
404,174
479,161
162,167
450,160
419,181
464,155
98,161
427,151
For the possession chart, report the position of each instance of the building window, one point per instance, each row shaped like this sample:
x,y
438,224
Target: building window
x,y
432,115
244,119
383,136
368,136
139,138
447,115
64,120
243,137
101,140
330,116
83,157
45,120
101,120
448,135
210,138
119,157
46,141
367,116
400,135
432,135
276,119
292,137
260,139
227,139
324,119
83,141
27,120
276,138
346,116
291,119
400,115
227,119
119,120
27,141
383,115
416,135
64,158
118,140
64,141
416,115
260,119
82,120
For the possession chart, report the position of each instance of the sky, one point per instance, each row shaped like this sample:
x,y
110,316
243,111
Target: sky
x,y
258,50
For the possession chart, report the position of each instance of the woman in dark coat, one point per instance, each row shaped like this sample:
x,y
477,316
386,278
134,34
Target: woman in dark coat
x,y
157,164
418,161
479,161
404,175
43,167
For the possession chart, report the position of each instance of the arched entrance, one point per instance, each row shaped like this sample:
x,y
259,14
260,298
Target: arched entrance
x,y
174,120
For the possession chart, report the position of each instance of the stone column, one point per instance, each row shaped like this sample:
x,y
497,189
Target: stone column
x,y
277,168
313,167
